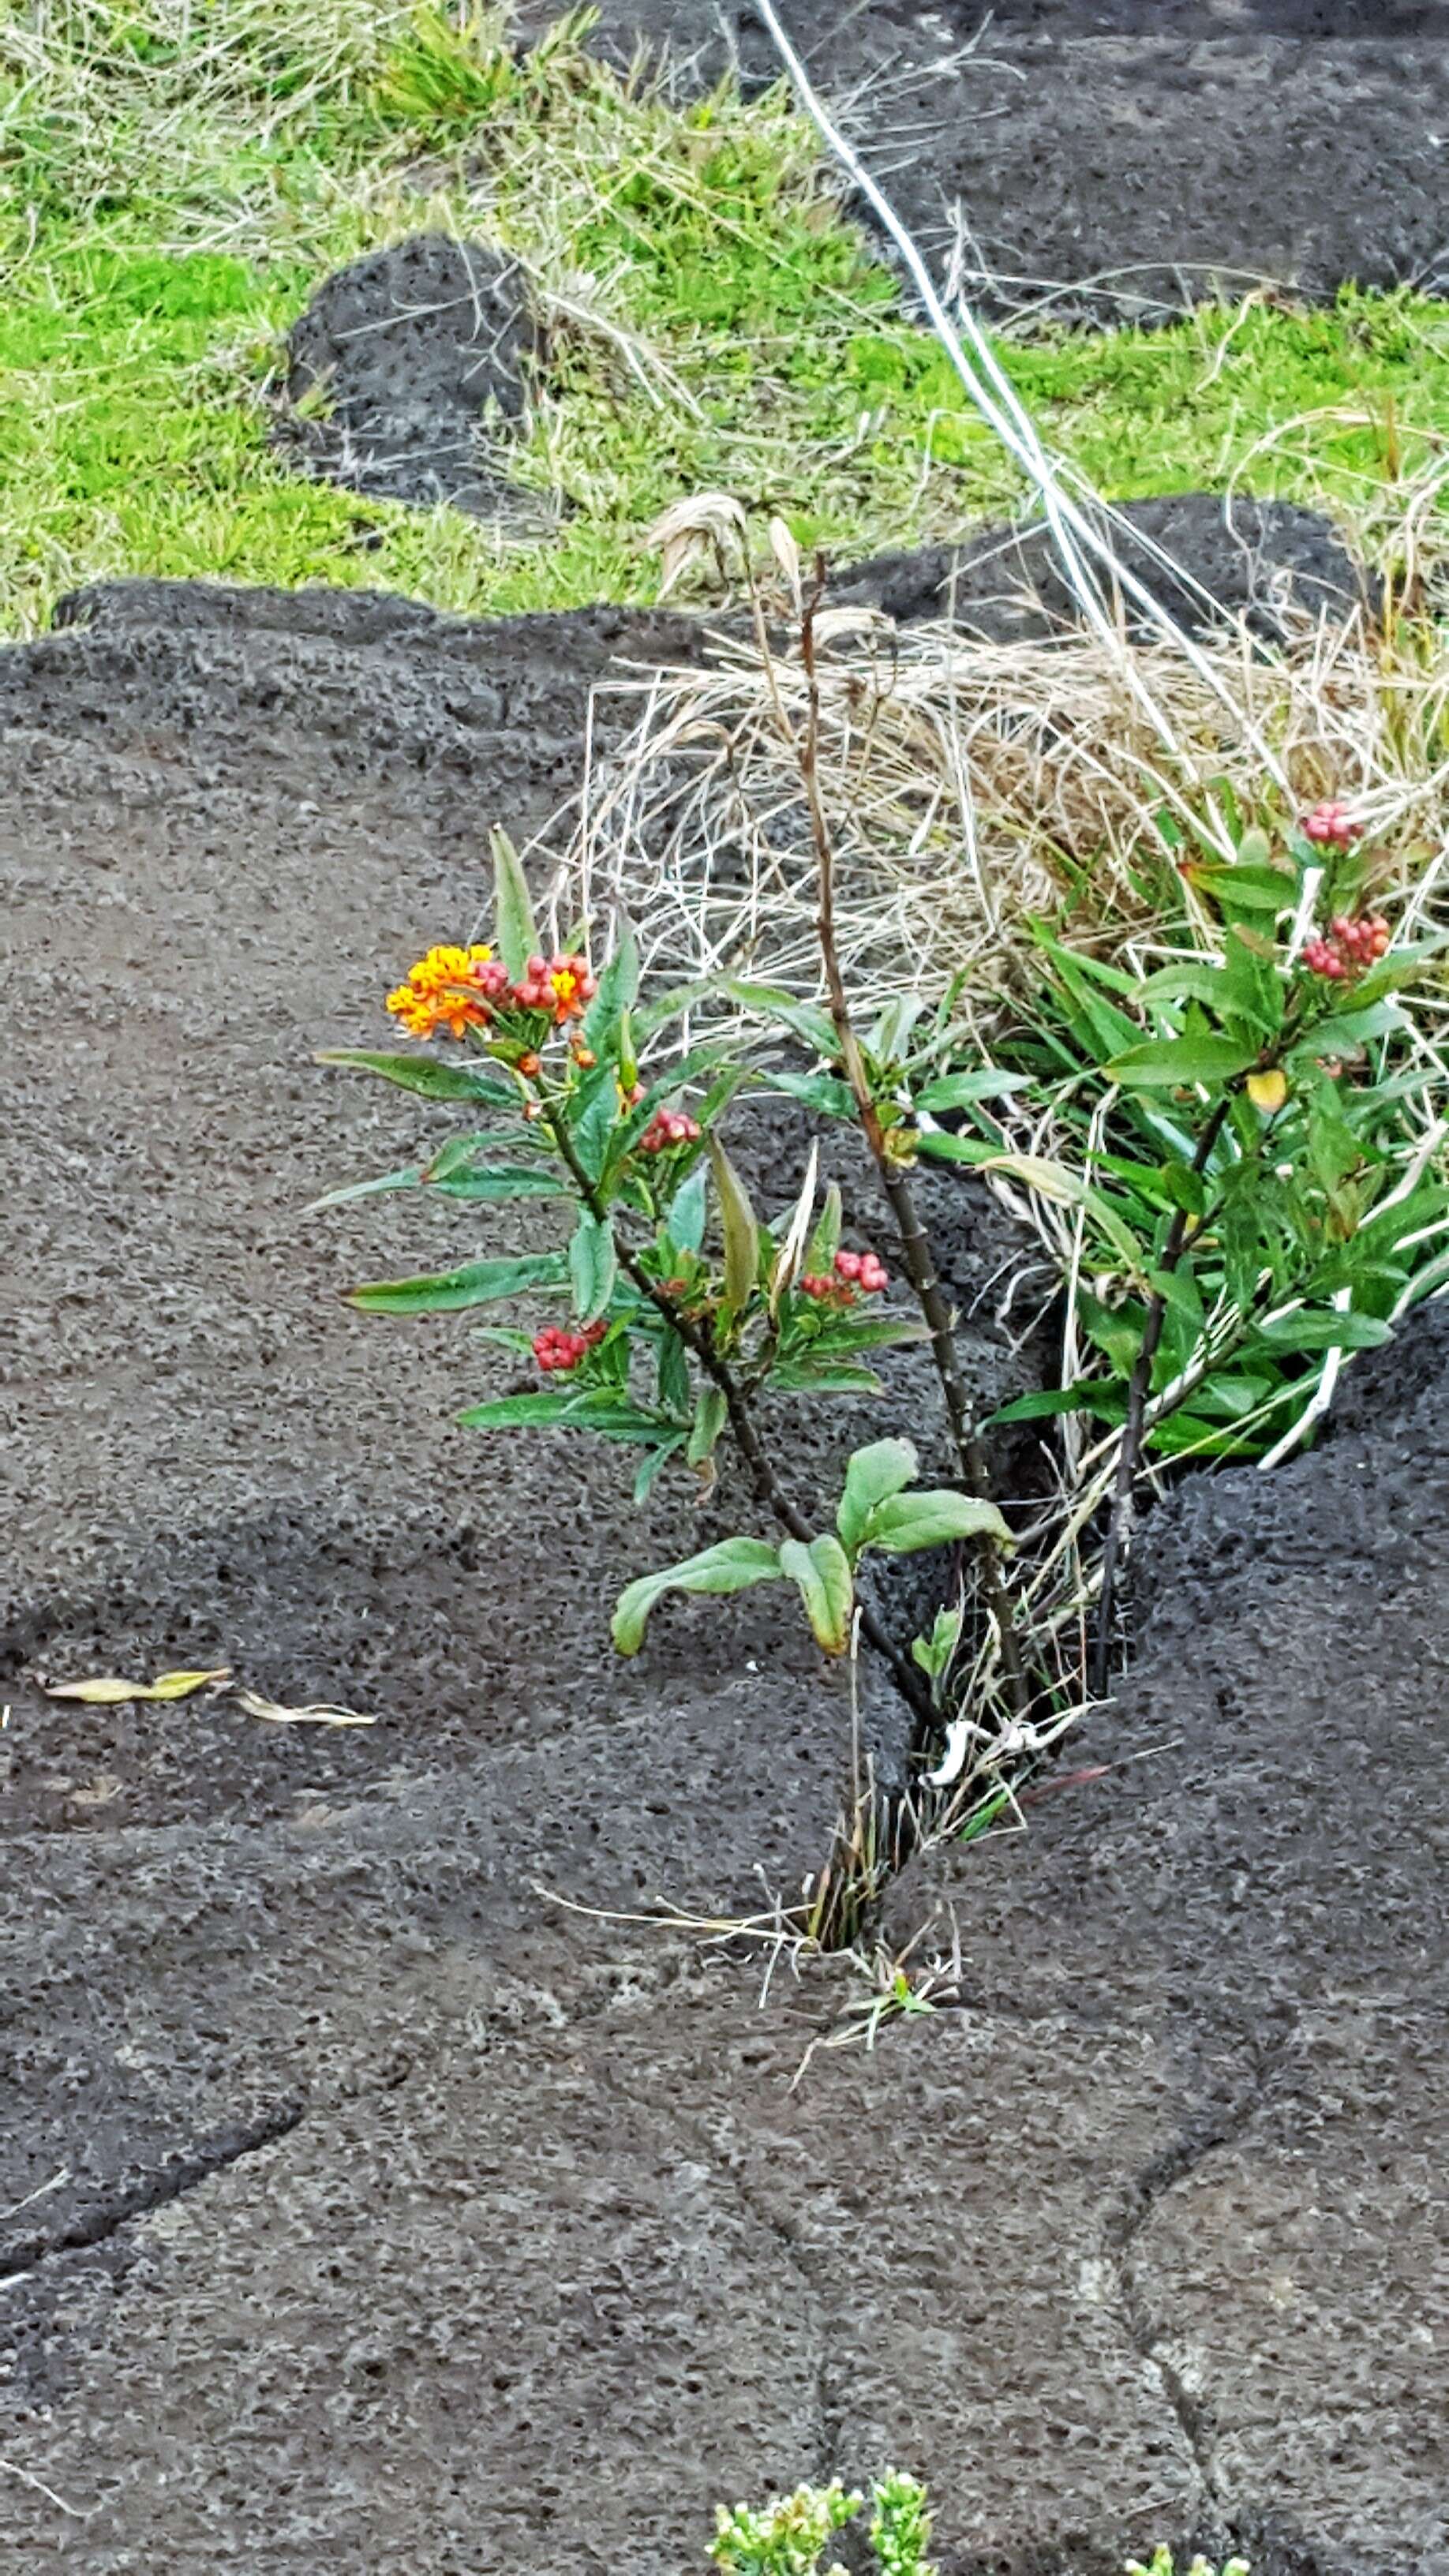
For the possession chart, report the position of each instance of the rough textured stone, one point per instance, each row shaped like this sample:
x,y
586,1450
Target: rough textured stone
x,y
361,2205
1267,561
1121,156
398,365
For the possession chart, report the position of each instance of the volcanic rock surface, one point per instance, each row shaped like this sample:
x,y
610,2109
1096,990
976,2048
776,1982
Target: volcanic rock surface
x,y
1090,157
360,2204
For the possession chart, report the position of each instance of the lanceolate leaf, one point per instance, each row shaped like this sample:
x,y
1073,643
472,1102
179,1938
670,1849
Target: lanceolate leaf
x,y
709,1422
408,1179
1164,1063
618,989
740,1229
505,1181
476,1283
824,1377
872,1477
593,1267
518,1412
907,1522
732,1566
822,1572
513,912
1305,1331
434,1079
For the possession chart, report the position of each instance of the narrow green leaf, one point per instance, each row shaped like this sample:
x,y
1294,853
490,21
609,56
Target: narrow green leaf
x,y
823,1377
410,1178
905,1523
593,1266
1044,1401
425,1074
491,1189
654,1466
873,1475
1164,1063
825,1241
618,989
731,1566
518,1412
513,912
684,1217
476,1283
826,1586
962,1090
1308,1331
739,1226
673,1373
709,1422
822,1092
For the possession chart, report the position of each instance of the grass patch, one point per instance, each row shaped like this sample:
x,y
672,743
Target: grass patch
x,y
174,180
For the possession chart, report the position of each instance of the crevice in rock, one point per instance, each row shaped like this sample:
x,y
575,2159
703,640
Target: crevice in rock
x,y
228,2144
1218,2124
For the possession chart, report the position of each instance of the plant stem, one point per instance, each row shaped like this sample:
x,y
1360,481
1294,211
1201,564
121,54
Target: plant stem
x,y
900,1197
1139,1387
699,1342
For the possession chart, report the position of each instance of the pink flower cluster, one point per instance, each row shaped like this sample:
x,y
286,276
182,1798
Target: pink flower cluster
x,y
1350,948
855,1275
1331,825
668,1128
557,1349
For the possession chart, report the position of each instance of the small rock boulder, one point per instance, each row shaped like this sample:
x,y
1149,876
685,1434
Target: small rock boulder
x,y
407,356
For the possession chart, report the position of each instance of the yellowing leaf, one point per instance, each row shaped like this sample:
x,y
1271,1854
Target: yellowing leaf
x,y
1268,1091
108,1690
315,1713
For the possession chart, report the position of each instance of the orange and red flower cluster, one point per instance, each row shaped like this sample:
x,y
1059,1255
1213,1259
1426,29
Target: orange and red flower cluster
x,y
1350,948
855,1275
1331,825
668,1128
557,1349
468,988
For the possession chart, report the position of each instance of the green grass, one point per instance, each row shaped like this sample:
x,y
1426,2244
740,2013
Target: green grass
x,y
173,182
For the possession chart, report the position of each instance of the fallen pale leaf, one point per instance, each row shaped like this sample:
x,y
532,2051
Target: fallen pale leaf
x,y
108,1690
318,1713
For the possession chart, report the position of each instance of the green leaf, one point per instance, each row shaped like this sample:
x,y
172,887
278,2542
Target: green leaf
x,y
654,1465
1324,1332
684,1216
476,1283
873,1475
618,989
425,1074
1164,1063
740,1228
825,1241
823,1092
871,1333
731,1566
491,1188
410,1178
1044,1401
823,1377
673,1373
709,1422
517,931
827,1588
593,1266
907,1522
594,1118
518,1412
772,1002
934,1653
961,1090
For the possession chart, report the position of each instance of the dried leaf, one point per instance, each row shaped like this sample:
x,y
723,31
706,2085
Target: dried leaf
x,y
1268,1091
108,1690
316,1713
690,528
787,556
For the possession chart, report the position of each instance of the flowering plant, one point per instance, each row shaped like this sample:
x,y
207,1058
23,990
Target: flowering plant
x,y
685,1303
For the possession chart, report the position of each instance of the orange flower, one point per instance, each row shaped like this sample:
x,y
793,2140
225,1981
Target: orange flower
x,y
449,988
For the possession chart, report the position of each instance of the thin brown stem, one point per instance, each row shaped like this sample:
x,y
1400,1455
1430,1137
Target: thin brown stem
x,y
1139,1387
915,1243
699,1343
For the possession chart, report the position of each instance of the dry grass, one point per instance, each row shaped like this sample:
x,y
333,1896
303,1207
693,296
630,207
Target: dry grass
x,y
971,785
